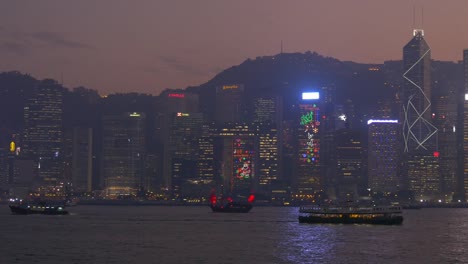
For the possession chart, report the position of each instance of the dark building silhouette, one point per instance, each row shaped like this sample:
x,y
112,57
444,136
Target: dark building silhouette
x,y
231,104
43,135
463,134
349,164
82,159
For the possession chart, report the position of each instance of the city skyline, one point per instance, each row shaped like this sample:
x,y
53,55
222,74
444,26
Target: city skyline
x,y
157,45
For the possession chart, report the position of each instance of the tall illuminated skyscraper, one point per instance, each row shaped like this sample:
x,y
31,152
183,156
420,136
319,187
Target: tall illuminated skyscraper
x,y
171,103
183,152
43,132
267,116
383,156
309,179
123,152
420,156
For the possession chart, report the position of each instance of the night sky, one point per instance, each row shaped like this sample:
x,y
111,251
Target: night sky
x,y
149,45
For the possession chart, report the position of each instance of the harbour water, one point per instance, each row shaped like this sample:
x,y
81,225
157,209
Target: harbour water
x,y
159,234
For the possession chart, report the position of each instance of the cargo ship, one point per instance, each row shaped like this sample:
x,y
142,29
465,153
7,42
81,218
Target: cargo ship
x,y
375,215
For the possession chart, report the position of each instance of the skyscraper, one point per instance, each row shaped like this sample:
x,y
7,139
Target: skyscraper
x,y
82,164
123,152
309,178
420,156
43,132
383,156
183,152
463,135
267,116
171,103
349,163
231,104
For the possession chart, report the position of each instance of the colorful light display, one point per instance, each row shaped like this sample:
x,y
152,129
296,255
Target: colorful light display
x,y
242,158
311,123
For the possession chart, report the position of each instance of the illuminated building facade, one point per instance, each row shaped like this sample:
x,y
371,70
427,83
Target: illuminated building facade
x,y
267,118
123,153
186,131
309,179
420,153
445,115
383,150
171,103
43,133
268,150
206,165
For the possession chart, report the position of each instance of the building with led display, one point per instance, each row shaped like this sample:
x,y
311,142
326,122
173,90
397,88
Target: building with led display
x,y
43,133
420,150
236,160
123,153
309,179
383,156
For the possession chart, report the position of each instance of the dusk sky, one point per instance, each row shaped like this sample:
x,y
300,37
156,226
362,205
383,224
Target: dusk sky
x,y
149,45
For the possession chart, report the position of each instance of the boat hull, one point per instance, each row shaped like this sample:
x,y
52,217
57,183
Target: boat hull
x,y
26,210
393,220
231,208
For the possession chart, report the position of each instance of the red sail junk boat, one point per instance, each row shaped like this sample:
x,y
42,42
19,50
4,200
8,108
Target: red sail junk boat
x,y
229,206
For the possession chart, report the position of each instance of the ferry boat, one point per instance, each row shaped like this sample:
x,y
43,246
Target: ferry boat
x,y
40,208
376,215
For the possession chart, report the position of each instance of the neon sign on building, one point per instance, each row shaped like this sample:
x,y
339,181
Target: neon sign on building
x,y
227,87
176,95
311,123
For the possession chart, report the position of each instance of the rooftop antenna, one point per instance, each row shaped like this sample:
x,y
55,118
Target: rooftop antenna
x,y
61,78
422,17
281,46
414,16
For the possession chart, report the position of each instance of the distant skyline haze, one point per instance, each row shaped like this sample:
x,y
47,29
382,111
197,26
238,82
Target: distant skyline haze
x,y
148,46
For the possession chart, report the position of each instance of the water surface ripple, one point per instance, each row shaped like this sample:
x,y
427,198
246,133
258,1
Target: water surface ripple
x,y
157,234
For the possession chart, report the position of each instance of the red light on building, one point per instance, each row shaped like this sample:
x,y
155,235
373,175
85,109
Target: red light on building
x,y
436,154
176,95
213,198
251,198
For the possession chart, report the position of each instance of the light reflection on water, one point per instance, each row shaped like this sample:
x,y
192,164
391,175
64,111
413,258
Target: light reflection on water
x,y
152,234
